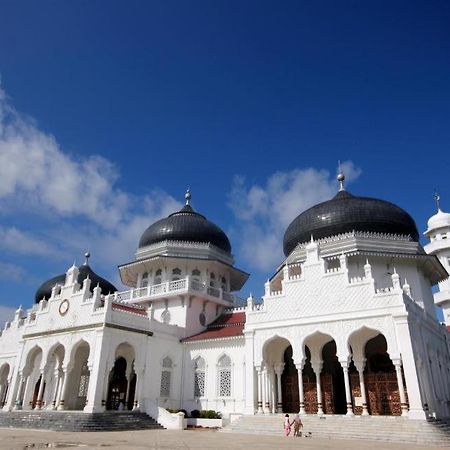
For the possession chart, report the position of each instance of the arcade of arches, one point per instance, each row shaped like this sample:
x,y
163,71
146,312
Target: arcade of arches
x,y
372,384
58,385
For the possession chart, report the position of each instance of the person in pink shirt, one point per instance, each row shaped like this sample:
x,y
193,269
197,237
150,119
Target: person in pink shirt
x,y
287,425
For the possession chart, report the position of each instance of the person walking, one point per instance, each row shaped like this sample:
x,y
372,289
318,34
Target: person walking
x,y
287,425
297,425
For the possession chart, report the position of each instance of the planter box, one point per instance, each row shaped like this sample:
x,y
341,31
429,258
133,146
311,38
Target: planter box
x,y
205,423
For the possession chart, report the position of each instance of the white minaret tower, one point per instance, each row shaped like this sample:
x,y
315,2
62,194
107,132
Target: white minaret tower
x,y
439,234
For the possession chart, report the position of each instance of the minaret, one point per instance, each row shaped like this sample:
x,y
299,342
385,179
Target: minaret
x,y
439,234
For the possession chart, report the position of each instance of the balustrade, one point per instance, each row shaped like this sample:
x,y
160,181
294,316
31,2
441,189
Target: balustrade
x,y
173,286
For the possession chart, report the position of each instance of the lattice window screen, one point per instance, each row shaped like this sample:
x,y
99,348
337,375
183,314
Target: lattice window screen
x,y
165,383
225,383
224,376
199,384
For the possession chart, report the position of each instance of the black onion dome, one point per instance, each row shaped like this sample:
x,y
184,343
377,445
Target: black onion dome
x,y
185,225
45,290
345,213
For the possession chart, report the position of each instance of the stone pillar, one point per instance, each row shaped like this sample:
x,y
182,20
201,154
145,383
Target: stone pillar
x,y
317,367
348,393
401,387
362,385
416,408
139,385
272,390
64,388
260,401
127,394
265,392
41,391
55,395
279,370
20,391
301,393
250,405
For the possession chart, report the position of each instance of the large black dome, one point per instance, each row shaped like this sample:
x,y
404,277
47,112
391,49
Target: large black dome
x,y
185,225
45,290
345,213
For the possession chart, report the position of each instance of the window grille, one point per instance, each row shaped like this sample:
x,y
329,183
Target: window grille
x,y
176,274
165,317
199,378
166,375
224,376
84,381
165,383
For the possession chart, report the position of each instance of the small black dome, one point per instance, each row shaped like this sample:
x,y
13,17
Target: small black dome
x,y
185,225
345,213
45,290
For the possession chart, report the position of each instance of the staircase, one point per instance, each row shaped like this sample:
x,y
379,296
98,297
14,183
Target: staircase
x,y
78,421
387,429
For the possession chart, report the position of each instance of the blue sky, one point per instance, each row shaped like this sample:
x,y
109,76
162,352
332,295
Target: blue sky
x,y
109,110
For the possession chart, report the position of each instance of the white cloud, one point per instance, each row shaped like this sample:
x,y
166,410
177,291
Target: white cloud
x,y
75,197
264,212
6,314
12,272
22,242
34,169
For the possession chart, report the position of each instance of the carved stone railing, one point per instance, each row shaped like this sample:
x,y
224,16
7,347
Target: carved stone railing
x,y
173,287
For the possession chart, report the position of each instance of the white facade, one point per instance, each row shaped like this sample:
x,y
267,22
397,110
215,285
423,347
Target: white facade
x,y
344,321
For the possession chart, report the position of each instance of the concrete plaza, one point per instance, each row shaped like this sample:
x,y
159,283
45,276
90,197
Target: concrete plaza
x,y
20,439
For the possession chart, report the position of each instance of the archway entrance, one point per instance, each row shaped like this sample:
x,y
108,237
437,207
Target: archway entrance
x,y
117,385
383,397
332,379
289,383
4,384
34,401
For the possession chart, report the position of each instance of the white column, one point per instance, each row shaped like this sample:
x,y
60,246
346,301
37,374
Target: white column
x,y
273,406
317,367
279,370
401,387
260,400
41,391
301,393
18,400
362,385
139,386
416,410
264,390
64,388
250,405
127,394
55,395
348,393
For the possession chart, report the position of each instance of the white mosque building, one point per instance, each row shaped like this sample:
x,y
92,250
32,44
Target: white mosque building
x,y
347,324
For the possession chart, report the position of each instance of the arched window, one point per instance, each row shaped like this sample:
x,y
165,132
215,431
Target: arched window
x,y
212,279
196,275
144,282
199,377
158,277
224,367
165,317
176,274
166,375
224,284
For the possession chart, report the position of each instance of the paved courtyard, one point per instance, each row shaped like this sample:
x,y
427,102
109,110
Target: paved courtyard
x,y
167,440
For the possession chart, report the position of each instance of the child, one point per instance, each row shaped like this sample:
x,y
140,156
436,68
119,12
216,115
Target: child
x,y
287,425
297,425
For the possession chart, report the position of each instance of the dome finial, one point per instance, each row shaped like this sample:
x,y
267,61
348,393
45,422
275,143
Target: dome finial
x,y
340,177
188,197
437,199
87,255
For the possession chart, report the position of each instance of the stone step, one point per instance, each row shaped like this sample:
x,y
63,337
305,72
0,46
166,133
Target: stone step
x,y
78,421
392,429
